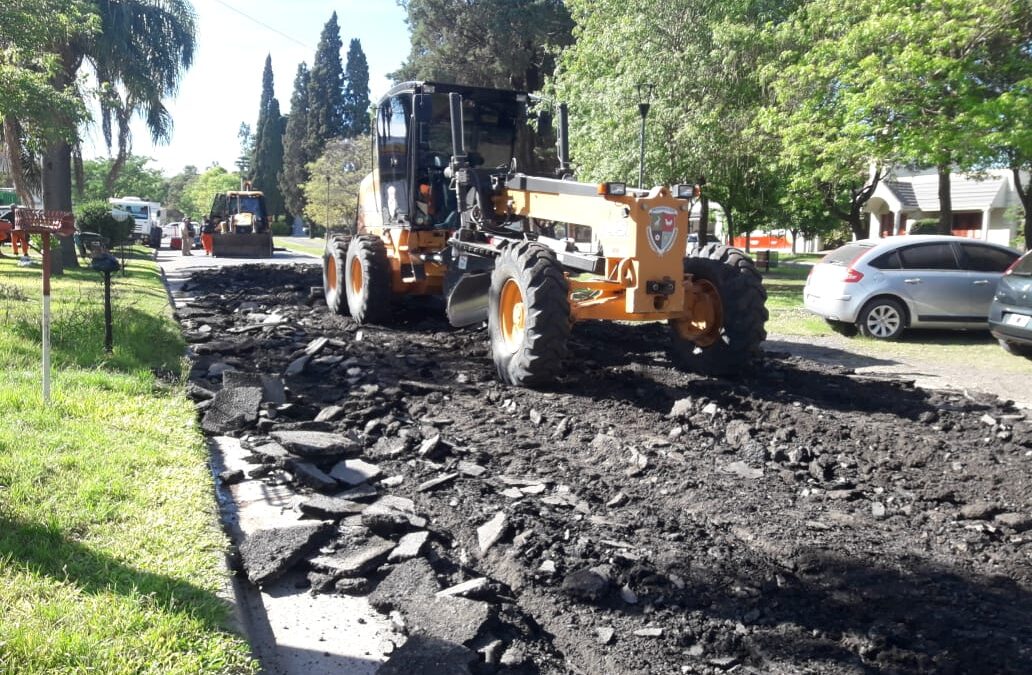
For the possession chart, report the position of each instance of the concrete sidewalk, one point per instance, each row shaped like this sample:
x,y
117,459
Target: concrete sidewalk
x,y
291,631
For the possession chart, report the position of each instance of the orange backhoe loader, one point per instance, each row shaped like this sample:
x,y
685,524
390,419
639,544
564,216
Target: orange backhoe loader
x,y
459,204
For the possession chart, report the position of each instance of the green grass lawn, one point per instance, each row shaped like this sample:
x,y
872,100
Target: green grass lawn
x,y
110,549
310,246
784,285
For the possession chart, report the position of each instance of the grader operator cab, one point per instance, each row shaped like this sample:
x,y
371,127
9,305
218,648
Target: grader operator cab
x,y
241,225
457,205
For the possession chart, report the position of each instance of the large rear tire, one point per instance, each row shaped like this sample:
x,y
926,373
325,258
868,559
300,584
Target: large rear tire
x,y
528,315
732,344
367,280
334,257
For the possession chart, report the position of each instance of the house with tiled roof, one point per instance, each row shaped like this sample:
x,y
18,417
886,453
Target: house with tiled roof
x,y
986,206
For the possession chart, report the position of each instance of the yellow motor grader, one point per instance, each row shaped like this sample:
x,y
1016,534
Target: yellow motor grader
x,y
459,205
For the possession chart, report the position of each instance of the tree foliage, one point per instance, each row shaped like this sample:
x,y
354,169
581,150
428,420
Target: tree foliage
x,y
174,188
33,108
331,194
325,90
356,91
135,179
268,145
198,194
294,173
138,56
95,216
489,43
702,59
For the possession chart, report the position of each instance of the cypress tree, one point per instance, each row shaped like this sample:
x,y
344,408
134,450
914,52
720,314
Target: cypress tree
x,y
267,160
326,90
356,91
295,145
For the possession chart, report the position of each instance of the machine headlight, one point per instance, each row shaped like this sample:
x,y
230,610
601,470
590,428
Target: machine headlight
x,y
686,191
612,189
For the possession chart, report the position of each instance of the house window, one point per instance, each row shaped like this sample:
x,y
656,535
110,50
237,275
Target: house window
x,y
967,221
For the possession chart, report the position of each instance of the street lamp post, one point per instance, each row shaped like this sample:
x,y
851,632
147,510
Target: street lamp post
x,y
644,103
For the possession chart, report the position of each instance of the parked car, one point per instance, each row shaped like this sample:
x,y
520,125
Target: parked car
x,y
174,232
884,286
1010,315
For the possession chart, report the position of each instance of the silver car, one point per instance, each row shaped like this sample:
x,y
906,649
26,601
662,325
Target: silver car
x,y
883,286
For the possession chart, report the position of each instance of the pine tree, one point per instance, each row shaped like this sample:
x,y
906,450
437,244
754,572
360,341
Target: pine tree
x,y
326,90
295,145
356,91
267,160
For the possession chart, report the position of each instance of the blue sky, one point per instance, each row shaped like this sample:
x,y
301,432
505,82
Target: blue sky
x,y
223,86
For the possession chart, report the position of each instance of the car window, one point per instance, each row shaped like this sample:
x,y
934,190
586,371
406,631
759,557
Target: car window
x,y
886,261
928,257
845,255
981,258
1024,265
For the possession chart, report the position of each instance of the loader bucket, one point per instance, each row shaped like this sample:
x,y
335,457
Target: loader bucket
x,y
467,300
242,245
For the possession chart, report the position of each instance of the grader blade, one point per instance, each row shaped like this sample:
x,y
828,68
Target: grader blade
x,y
467,300
242,245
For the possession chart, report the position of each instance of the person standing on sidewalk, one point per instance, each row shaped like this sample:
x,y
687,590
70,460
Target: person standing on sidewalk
x,y
207,231
187,235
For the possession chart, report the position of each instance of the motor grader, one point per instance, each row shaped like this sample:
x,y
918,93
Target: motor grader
x,y
242,224
460,205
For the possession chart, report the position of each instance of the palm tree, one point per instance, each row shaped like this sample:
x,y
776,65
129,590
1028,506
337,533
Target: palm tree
x,y
138,56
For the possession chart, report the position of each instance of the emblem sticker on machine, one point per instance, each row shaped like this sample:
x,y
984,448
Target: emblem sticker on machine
x,y
662,228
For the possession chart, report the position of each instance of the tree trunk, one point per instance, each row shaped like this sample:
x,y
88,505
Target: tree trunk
x,y
945,201
1025,196
57,190
703,220
857,225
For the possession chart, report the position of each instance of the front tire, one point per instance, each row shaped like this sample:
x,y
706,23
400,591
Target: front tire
x,y
528,315
882,319
367,280
731,341
334,258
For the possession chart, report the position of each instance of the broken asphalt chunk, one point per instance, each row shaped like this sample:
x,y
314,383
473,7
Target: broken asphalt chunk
x,y
317,444
267,554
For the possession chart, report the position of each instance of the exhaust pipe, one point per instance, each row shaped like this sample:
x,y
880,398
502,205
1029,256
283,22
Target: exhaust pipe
x,y
564,140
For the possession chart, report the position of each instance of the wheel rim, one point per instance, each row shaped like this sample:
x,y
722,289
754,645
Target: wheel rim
x,y
355,278
883,321
512,315
331,273
707,317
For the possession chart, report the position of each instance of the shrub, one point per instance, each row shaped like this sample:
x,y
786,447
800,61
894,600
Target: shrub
x,y
281,228
96,217
925,226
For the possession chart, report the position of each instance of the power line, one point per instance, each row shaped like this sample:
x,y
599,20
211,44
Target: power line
x,y
262,24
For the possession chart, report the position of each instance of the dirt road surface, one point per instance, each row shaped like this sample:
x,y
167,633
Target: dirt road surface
x,y
633,518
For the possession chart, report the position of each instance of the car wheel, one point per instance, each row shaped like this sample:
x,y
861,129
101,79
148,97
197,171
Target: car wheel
x,y
882,319
1016,348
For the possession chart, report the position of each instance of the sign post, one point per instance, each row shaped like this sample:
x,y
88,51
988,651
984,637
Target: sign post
x,y
45,223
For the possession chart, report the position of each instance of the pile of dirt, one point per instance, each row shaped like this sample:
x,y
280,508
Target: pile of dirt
x,y
634,518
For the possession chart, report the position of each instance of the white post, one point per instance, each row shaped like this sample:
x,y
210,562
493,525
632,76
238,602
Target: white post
x,y
986,217
46,348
